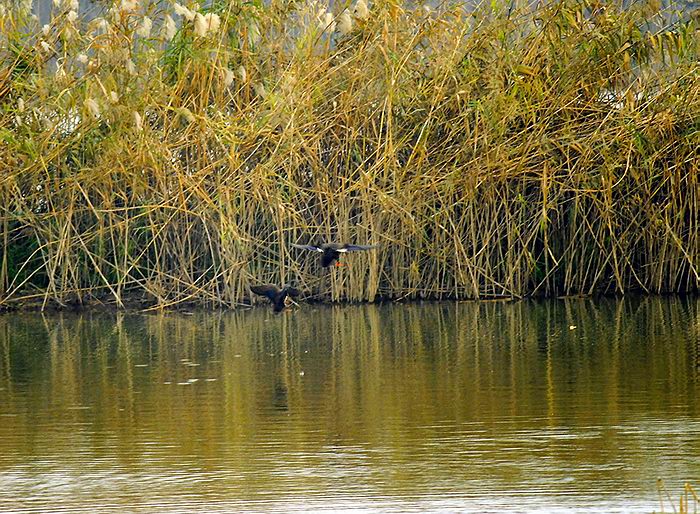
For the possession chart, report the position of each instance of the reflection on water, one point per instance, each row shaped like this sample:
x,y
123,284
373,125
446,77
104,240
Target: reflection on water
x,y
492,407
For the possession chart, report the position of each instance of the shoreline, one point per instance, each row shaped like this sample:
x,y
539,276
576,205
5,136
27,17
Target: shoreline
x,y
135,305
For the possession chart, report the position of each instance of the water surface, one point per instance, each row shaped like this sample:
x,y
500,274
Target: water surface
x,y
562,406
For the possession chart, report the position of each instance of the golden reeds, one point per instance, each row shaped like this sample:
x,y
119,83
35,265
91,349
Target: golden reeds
x,y
490,153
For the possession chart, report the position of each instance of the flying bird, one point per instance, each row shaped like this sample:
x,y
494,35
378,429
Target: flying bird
x,y
276,295
331,251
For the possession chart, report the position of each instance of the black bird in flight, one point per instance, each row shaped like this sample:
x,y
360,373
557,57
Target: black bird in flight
x,y
276,295
331,251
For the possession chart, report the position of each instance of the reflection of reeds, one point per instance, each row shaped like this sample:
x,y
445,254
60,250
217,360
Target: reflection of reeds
x,y
501,154
389,377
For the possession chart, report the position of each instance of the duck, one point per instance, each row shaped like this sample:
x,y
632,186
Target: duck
x,y
277,296
331,251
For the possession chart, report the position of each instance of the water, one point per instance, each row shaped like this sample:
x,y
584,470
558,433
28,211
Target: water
x,y
563,406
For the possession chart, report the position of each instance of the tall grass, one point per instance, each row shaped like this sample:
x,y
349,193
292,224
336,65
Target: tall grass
x,y
490,152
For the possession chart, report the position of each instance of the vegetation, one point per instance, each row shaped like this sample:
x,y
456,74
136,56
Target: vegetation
x,y
174,152
689,500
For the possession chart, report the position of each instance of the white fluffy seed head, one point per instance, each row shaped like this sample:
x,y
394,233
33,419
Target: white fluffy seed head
x,y
344,23
327,23
187,115
213,22
200,25
361,10
20,104
169,28
82,58
128,6
144,29
138,122
114,97
179,9
99,25
183,11
259,89
92,107
242,74
228,77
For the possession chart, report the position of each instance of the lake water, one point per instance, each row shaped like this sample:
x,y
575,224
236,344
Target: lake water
x,y
560,406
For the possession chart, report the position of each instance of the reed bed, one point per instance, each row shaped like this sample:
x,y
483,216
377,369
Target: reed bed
x,y
172,153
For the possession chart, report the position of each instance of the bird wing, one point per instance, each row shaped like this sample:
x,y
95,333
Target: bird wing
x,y
268,290
292,291
311,248
356,248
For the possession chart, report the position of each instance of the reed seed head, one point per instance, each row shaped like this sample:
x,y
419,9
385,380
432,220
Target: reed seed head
x,y
138,122
361,11
213,22
144,29
186,114
183,11
128,6
99,24
169,28
327,23
200,25
344,23
259,89
228,77
93,108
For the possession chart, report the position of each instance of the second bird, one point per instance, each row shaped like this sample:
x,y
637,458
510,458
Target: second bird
x,y
331,251
276,295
